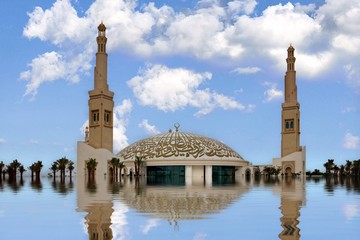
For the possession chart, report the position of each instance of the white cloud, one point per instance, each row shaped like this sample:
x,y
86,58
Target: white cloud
x,y
348,110
242,6
119,221
151,223
121,119
171,89
351,142
34,141
353,75
200,236
351,210
150,129
58,24
2,141
83,127
246,70
69,149
325,38
272,93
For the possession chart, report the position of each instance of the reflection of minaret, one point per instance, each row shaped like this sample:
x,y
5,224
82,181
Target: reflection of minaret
x,y
98,221
101,102
292,198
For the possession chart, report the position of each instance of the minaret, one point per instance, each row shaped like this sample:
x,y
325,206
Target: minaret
x,y
101,102
290,133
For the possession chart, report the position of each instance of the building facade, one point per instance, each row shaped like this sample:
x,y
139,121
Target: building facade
x,y
186,157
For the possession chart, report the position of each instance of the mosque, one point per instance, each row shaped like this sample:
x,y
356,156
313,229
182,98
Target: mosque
x,y
187,157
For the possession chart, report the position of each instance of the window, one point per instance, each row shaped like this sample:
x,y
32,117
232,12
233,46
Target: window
x,y
107,117
95,116
289,125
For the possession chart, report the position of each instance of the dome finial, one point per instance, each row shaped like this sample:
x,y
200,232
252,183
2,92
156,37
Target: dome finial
x,y
177,125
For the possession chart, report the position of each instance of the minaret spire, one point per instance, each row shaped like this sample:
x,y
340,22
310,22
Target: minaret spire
x,y
101,102
290,77
100,71
290,140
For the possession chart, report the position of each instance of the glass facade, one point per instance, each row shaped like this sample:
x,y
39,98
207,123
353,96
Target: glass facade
x,y
165,175
223,175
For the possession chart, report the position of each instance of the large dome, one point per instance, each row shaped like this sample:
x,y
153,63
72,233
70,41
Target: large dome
x,y
175,145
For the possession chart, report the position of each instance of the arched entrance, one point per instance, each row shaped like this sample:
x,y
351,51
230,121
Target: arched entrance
x,y
288,171
247,173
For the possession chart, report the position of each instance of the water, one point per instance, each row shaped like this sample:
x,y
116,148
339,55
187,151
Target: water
x,y
256,209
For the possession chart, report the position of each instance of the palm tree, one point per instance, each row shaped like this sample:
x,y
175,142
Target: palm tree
x,y
38,166
138,164
32,169
21,170
14,165
70,167
356,167
329,166
54,168
62,162
2,165
336,170
91,167
115,165
342,170
348,167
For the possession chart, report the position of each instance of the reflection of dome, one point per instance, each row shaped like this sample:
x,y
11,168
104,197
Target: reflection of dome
x,y
176,145
176,203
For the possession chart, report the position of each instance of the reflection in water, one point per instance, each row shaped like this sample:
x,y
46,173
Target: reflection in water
x,y
98,221
62,186
292,198
174,203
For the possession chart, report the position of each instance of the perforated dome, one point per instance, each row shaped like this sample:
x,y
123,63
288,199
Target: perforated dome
x,y
176,145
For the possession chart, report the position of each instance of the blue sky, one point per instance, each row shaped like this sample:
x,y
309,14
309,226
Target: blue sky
x,y
216,67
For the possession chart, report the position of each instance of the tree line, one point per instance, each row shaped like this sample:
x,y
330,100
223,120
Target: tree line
x,y
349,168
12,169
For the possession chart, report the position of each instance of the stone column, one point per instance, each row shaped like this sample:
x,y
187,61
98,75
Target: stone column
x,y
208,176
188,175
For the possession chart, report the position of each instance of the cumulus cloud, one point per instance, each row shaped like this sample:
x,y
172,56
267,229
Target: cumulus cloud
x,y
351,142
325,37
150,224
121,119
351,210
2,141
246,70
272,93
150,129
171,89
119,221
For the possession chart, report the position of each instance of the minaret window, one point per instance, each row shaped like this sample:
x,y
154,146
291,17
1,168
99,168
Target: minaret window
x,y
107,117
289,125
95,117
